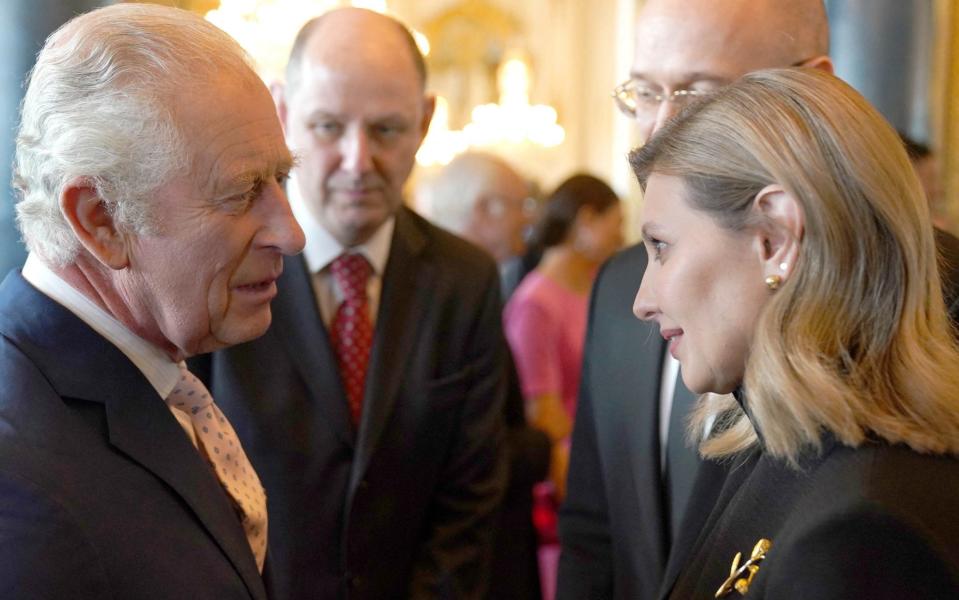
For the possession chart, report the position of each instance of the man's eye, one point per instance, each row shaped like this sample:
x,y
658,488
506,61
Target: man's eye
x,y
327,128
282,178
388,130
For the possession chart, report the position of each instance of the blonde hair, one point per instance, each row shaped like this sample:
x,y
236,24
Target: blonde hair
x,y
856,342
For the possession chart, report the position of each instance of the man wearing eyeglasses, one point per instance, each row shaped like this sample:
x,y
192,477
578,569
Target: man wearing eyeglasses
x,y
630,474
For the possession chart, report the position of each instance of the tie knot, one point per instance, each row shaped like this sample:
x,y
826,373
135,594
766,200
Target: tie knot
x,y
189,394
351,272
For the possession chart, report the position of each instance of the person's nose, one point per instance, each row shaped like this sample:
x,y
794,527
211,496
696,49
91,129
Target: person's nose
x,y
667,110
645,306
356,151
281,230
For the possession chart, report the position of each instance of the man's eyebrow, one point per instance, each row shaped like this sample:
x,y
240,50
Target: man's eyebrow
x,y
251,176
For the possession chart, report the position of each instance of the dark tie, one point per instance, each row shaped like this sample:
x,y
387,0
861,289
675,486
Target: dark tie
x,y
352,328
681,461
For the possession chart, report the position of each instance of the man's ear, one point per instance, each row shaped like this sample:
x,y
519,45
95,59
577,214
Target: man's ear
x,y
822,62
429,106
278,92
92,223
780,232
490,206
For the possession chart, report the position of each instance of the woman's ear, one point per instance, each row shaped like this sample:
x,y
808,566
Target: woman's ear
x,y
92,223
780,232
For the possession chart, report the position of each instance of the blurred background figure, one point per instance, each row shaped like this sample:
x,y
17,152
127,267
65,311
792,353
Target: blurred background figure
x,y
926,164
545,320
480,197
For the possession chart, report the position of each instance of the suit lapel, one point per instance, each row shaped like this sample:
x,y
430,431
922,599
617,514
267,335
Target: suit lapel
x,y
297,320
645,454
405,294
142,427
138,421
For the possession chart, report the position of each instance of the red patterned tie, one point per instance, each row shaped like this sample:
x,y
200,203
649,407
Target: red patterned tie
x,y
352,328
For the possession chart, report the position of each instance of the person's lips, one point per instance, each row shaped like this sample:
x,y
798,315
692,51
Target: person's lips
x,y
264,287
673,337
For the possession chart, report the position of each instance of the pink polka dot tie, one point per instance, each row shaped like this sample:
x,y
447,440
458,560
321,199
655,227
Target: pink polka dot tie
x,y
219,444
352,328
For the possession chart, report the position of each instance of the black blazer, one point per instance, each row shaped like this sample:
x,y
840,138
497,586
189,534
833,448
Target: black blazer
x,y
102,495
405,506
875,522
614,523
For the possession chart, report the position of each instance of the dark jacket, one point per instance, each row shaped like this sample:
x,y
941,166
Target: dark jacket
x,y
404,506
102,495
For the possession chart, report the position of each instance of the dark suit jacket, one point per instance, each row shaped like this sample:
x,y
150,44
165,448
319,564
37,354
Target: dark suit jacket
x,y
874,522
405,505
514,574
614,523
102,495
614,471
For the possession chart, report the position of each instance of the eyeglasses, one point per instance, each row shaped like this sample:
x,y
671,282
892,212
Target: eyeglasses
x,y
635,97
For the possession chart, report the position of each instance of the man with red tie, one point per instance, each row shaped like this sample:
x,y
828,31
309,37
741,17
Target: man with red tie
x,y
372,408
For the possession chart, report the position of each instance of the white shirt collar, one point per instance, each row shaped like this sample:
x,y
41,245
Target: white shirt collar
x,y
321,247
156,366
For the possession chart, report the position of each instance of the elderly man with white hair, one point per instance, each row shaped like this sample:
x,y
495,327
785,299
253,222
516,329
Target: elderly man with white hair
x,y
156,222
480,197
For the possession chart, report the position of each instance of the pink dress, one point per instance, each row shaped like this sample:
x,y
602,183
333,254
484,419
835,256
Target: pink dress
x,y
545,325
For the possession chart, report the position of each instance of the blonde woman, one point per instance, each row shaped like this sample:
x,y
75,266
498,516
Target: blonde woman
x,y
793,264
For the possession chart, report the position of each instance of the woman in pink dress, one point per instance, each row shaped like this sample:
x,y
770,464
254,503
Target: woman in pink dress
x,y
545,322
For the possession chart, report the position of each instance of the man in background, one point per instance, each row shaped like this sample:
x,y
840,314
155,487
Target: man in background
x,y
156,223
372,408
630,472
481,198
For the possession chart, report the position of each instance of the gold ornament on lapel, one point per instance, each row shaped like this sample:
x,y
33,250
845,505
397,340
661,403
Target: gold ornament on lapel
x,y
740,577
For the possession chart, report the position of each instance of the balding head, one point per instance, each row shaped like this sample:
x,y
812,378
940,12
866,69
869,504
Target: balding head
x,y
480,197
348,18
356,115
704,44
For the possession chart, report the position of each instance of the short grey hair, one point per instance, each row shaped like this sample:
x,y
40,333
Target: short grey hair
x,y
452,195
99,105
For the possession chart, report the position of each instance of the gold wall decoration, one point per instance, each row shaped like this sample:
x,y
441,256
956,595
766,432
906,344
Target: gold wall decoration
x,y
945,94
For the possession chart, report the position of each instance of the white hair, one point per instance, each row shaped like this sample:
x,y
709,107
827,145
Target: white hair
x,y
452,195
100,105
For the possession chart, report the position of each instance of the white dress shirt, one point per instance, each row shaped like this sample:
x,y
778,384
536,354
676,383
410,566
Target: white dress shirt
x,y
322,248
156,366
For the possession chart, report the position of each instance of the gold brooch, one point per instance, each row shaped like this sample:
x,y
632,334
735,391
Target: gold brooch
x,y
741,576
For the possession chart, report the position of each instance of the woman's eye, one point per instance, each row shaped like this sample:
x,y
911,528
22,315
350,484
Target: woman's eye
x,y
656,248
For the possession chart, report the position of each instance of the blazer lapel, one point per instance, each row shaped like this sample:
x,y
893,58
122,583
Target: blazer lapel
x,y
716,483
297,320
142,427
138,421
405,294
643,409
